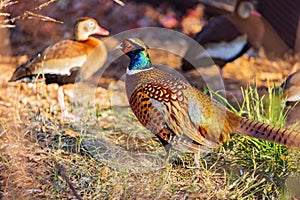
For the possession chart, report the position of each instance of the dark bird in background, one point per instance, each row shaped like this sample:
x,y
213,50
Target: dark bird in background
x,y
182,116
61,62
227,37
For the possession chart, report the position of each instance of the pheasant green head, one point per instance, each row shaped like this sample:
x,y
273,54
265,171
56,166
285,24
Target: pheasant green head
x,y
136,50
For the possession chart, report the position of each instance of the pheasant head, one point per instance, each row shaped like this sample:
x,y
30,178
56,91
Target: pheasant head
x,y
137,51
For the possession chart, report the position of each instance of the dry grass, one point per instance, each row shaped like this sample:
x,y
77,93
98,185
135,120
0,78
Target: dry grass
x,y
9,21
50,158
111,156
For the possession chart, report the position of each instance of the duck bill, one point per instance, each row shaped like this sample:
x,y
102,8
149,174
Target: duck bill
x,y
101,31
255,13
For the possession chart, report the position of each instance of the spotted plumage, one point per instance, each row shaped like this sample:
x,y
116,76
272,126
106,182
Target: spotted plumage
x,y
180,115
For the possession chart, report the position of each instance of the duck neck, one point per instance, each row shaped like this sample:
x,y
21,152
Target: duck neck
x,y
81,37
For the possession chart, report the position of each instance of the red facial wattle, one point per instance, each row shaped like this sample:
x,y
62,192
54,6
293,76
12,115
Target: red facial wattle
x,y
127,46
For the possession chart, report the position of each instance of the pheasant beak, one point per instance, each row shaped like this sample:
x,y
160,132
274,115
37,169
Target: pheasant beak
x,y
119,47
101,31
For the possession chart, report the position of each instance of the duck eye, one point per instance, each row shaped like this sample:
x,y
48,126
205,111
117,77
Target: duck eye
x,y
91,24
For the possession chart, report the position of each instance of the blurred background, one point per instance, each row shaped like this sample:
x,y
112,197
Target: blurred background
x,y
280,18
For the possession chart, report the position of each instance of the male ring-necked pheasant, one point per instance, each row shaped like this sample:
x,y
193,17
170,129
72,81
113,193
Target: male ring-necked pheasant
x,y
59,63
180,115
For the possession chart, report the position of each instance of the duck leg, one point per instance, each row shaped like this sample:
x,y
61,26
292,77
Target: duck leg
x,y
61,101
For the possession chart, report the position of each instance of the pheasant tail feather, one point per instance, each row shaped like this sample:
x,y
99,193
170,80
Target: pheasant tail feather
x,y
267,132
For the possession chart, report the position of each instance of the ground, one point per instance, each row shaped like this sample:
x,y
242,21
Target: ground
x,y
44,156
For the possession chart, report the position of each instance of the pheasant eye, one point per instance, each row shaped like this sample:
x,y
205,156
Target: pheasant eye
x,y
126,45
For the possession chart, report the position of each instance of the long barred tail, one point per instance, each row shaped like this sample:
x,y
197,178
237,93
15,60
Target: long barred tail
x,y
267,132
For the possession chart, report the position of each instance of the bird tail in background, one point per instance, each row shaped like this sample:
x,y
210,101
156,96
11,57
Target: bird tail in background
x,y
26,69
267,132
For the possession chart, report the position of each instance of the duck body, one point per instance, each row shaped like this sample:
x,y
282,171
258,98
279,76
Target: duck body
x,y
61,62
58,63
182,116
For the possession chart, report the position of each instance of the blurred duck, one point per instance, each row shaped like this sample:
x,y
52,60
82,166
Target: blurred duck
x,y
60,62
291,87
227,37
